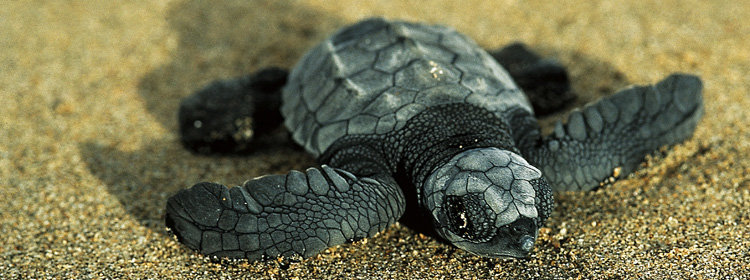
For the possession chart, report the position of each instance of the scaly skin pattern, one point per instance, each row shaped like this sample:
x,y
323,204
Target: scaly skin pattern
x,y
410,117
300,213
608,139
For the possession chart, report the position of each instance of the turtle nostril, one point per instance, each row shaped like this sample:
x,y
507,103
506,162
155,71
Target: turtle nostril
x,y
526,242
516,230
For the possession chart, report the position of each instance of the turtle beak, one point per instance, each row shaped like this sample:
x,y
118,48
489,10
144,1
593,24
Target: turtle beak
x,y
526,243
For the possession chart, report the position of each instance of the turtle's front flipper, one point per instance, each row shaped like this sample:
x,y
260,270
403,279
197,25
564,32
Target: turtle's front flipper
x,y
545,81
300,213
608,139
225,116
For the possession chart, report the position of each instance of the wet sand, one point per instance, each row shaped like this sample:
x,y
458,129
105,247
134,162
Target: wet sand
x,y
89,148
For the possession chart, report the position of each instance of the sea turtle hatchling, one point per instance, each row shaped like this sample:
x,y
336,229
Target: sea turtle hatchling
x,y
410,117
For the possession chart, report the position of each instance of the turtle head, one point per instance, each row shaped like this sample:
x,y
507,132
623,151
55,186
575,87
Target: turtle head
x,y
488,201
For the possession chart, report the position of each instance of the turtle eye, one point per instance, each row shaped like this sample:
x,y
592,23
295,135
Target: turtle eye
x,y
467,218
457,217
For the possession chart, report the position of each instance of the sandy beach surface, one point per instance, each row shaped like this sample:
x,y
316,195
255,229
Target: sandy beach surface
x,y
89,149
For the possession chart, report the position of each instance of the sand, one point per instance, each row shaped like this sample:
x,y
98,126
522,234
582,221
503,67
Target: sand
x,y
89,148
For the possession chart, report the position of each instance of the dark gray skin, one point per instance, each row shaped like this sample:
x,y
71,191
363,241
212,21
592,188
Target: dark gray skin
x,y
396,110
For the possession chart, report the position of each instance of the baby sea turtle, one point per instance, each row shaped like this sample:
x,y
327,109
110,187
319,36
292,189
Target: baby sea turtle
x,y
402,113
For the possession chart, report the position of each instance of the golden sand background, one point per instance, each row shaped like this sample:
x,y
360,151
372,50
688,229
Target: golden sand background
x,y
89,151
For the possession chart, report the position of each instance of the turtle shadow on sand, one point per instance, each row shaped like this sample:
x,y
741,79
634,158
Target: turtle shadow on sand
x,y
221,40
239,38
212,39
142,180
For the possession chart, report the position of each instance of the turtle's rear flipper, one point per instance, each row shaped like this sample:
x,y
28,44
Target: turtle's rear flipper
x,y
227,115
609,138
545,81
297,214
